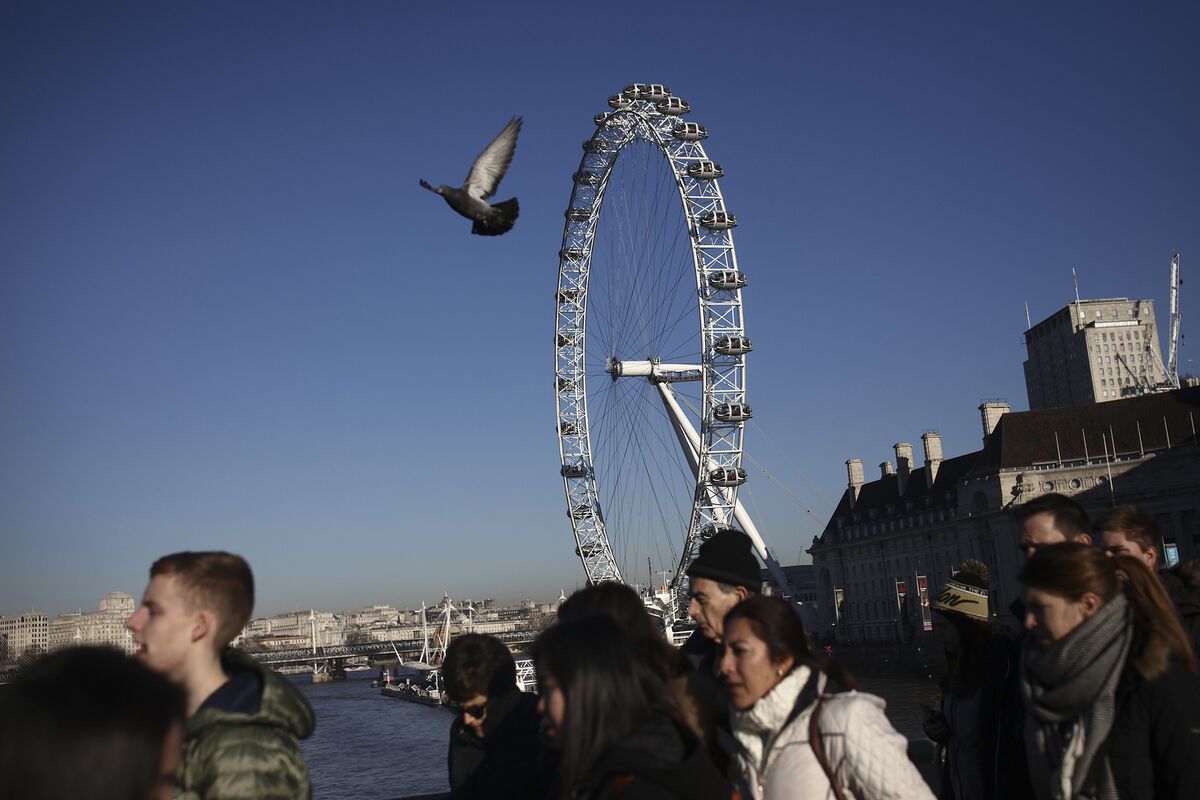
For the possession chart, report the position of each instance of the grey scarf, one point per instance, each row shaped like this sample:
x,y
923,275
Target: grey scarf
x,y
1068,690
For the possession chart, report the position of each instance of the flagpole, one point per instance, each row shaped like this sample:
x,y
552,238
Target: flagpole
x,y
1075,278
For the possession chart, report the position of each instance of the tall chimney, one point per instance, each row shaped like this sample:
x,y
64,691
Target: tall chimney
x,y
903,463
933,455
991,414
854,472
885,469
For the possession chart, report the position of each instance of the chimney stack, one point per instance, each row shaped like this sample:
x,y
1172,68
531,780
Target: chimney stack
x,y
933,455
854,472
885,469
991,414
903,463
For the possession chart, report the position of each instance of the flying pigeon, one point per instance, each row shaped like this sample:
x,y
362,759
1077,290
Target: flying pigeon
x,y
471,199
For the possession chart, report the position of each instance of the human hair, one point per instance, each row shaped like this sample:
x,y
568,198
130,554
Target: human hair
x,y
1069,517
775,621
86,723
622,604
477,664
608,689
1137,525
1072,570
215,580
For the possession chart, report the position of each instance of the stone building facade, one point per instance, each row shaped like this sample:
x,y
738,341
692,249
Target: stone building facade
x,y
105,627
23,633
1093,351
922,522
328,628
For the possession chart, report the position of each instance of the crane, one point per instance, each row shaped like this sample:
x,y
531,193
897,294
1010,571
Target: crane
x,y
1172,376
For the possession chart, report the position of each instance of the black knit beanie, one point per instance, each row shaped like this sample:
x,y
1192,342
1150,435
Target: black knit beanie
x,y
728,557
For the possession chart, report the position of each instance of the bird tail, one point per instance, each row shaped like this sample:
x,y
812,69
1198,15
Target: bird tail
x,y
501,220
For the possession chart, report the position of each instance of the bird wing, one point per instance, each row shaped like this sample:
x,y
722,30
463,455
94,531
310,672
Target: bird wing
x,y
493,162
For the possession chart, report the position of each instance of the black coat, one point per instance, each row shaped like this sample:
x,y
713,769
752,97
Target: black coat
x,y
1181,584
658,761
507,761
1154,748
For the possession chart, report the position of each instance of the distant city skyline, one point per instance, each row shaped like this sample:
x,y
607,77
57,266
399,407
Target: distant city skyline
x,y
231,319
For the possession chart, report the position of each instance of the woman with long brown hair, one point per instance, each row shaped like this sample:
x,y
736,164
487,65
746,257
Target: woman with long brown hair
x,y
1108,678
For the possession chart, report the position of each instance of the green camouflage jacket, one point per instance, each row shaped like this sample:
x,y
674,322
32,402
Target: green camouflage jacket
x,y
236,756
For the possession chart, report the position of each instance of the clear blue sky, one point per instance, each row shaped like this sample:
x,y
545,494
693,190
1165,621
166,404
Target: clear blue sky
x,y
229,318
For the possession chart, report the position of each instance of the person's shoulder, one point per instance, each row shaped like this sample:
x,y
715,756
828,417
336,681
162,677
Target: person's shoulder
x,y
284,706
230,759
281,717
840,710
1175,683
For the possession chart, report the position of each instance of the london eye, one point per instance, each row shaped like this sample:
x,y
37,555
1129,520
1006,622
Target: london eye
x,y
650,348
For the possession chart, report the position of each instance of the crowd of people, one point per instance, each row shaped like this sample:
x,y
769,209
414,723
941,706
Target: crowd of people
x,y
744,709
1095,697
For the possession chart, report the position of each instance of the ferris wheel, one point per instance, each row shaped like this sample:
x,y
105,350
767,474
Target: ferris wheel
x,y
650,348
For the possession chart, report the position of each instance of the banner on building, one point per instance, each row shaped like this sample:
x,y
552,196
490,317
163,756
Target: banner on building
x,y
839,597
923,596
901,597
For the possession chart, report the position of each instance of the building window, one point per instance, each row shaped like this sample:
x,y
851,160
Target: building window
x,y
1106,392
1099,314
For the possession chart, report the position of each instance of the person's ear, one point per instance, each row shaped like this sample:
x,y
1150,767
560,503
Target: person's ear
x,y
1089,604
742,593
203,625
1084,538
784,665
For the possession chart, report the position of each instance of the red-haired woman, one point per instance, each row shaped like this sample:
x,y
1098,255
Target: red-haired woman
x,y
1108,680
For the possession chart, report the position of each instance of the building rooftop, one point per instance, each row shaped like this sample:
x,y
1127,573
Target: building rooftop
x,y
1130,425
1024,439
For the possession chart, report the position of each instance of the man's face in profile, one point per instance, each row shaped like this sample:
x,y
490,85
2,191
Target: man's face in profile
x,y
1040,530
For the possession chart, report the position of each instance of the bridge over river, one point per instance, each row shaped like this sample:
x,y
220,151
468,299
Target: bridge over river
x,y
326,661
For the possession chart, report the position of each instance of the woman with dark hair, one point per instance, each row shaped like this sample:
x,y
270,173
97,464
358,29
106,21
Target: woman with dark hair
x,y
689,696
605,711
801,728
1108,678
621,604
89,723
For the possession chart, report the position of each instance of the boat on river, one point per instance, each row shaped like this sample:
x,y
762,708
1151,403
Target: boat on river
x,y
415,681
420,681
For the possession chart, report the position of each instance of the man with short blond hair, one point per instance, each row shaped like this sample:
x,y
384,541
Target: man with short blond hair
x,y
244,722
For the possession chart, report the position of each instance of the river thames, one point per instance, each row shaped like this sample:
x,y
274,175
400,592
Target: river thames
x,y
370,747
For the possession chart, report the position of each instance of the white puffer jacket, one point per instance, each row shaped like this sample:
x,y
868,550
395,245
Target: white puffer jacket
x,y
866,753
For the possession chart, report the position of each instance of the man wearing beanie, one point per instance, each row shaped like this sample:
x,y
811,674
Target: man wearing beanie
x,y
724,574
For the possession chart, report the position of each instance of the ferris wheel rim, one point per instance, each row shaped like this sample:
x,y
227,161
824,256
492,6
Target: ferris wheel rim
x,y
721,320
